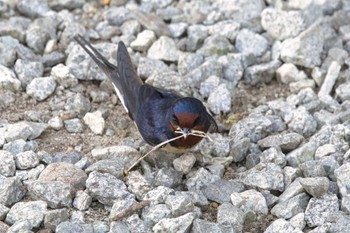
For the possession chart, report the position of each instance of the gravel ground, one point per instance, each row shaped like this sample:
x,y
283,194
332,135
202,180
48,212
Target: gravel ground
x,y
275,75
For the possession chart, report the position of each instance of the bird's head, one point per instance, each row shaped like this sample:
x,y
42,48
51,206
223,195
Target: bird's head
x,y
190,114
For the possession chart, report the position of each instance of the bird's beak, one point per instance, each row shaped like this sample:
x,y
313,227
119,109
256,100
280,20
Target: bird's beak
x,y
185,132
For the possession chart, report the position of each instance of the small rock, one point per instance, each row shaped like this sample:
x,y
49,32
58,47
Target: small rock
x,y
201,226
65,172
168,177
95,122
180,203
215,45
208,86
8,80
291,190
291,207
56,123
273,155
250,42
250,200
63,76
298,221
219,101
342,91
3,212
55,193
114,166
154,214
261,73
19,146
121,205
33,8
289,73
32,211
136,224
27,159
301,154
188,62
54,217
196,35
230,216
200,179
12,190
148,67
265,176
315,186
82,200
294,49
41,88
177,29
286,141
164,49
143,41
179,224
220,190
28,70
227,28
320,208
138,184
106,188
184,163
7,164
78,104
281,225
74,126
68,157
158,195
282,24
343,178
66,226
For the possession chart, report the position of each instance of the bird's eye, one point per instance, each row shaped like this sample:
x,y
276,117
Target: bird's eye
x,y
175,120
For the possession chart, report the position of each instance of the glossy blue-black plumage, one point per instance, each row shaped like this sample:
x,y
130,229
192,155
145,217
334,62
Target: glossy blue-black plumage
x,y
157,113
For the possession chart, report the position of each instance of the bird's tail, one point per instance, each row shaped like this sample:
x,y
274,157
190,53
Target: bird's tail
x,y
123,77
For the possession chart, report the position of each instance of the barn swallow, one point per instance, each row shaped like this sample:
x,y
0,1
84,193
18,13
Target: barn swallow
x,y
159,115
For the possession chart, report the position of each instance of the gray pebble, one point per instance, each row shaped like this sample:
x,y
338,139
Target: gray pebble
x,y
315,186
28,70
286,141
19,146
250,200
219,101
95,122
216,45
8,80
143,41
281,225
27,159
63,76
74,126
55,193
32,211
250,42
54,217
265,176
291,207
181,224
41,88
167,177
154,214
12,190
320,208
163,49
7,163
230,216
74,227
106,188
220,190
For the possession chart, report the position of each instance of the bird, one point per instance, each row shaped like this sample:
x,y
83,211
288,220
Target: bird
x,y
159,115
